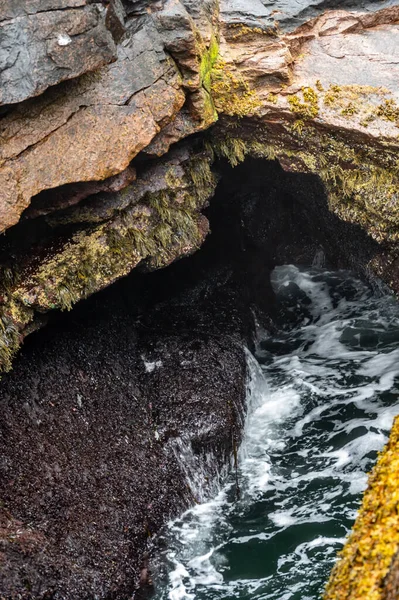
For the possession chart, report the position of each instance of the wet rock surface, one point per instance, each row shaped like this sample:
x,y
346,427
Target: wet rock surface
x,y
104,406
94,95
94,415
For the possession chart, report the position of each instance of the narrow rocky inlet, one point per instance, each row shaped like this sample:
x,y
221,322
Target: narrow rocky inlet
x,y
321,399
199,269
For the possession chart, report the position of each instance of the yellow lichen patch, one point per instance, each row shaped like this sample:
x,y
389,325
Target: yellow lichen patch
x,y
244,31
362,100
349,110
271,98
367,555
340,95
388,110
231,94
308,107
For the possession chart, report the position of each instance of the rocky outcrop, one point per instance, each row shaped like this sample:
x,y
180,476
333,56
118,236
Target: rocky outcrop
x,y
88,130
103,420
117,120
153,221
43,43
368,563
284,83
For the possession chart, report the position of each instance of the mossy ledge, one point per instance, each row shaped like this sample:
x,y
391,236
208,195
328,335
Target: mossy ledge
x,y
146,223
367,556
362,181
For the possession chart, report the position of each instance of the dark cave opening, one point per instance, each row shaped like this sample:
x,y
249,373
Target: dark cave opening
x,y
260,216
154,358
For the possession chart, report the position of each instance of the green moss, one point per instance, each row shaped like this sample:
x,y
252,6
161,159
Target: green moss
x,y
207,62
160,202
163,234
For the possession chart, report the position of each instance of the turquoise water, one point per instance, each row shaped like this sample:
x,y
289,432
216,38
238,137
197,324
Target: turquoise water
x,y
322,395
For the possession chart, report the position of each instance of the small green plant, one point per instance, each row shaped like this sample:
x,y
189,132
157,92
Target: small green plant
x,y
208,61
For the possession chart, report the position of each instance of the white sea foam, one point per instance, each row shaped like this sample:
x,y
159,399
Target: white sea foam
x,y
317,413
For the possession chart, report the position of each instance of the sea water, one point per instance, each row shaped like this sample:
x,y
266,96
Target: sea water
x,y
322,395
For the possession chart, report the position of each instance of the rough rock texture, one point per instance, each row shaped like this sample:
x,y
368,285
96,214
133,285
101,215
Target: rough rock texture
x,y
98,418
152,221
289,14
90,129
94,97
101,411
43,43
285,80
94,407
364,569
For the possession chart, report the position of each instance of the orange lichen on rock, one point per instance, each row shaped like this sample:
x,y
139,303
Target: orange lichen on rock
x,y
366,557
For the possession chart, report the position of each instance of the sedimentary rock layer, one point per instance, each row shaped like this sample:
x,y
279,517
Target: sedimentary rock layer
x,y
311,87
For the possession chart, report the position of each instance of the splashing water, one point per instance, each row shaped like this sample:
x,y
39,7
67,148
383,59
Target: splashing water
x,y
321,400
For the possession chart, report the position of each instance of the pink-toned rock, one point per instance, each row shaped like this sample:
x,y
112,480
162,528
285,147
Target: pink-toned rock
x,y
93,132
68,195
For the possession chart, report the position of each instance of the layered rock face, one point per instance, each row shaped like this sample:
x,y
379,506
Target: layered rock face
x,y
177,66
117,119
93,93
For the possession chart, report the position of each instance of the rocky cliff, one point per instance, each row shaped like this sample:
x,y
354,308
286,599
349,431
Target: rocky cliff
x,y
118,118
